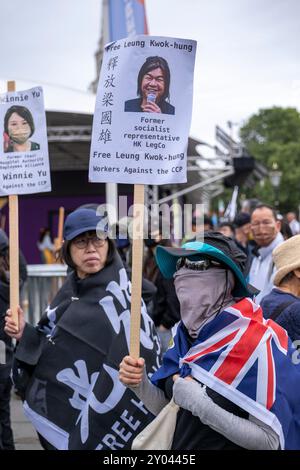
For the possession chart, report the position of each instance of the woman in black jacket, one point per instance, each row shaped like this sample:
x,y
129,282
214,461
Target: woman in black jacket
x,y
70,360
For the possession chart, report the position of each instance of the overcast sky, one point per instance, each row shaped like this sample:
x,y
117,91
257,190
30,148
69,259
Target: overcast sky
x,y
247,58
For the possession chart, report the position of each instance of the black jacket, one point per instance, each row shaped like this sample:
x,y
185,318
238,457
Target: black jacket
x,y
73,358
4,304
135,106
166,309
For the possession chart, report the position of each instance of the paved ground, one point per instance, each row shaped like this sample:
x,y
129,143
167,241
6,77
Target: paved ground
x,y
24,435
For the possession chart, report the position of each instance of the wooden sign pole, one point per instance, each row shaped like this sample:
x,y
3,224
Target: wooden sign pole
x,y
137,267
58,241
14,243
61,216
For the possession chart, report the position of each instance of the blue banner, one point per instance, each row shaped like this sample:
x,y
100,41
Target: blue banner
x,y
126,18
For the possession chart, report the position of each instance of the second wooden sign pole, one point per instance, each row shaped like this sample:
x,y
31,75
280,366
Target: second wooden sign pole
x,y
137,268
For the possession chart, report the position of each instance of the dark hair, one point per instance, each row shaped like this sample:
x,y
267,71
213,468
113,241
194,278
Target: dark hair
x,y
241,219
286,230
65,256
21,111
207,220
151,64
287,278
43,232
4,265
227,224
265,206
150,268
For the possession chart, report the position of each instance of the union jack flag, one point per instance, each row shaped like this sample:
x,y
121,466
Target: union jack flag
x,y
248,360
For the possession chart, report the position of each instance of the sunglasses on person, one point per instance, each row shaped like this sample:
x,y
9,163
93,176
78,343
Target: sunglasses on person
x,y
199,265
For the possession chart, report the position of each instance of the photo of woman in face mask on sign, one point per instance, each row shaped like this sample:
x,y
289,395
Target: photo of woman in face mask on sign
x,y
18,128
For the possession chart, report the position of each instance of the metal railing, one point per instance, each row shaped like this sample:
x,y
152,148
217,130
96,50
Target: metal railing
x,y
44,280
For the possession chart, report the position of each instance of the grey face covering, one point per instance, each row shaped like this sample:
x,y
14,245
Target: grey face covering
x,y
202,294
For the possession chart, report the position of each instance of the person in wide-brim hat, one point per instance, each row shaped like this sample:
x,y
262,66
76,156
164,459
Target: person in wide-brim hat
x,y
286,258
211,289
215,246
283,303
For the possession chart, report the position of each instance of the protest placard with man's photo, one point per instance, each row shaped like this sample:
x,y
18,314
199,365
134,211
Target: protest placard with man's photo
x,y
143,111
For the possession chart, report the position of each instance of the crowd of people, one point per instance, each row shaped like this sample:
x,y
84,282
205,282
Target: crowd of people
x,y
253,260
219,329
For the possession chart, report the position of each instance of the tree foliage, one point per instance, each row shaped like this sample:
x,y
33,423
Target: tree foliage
x,y
273,136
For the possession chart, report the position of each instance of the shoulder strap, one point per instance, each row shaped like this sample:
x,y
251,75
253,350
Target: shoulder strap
x,y
280,308
270,270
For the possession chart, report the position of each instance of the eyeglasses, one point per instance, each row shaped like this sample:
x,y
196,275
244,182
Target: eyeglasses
x,y
264,223
83,242
200,265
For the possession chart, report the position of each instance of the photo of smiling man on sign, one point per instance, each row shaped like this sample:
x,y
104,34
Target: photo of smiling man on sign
x,y
153,88
143,111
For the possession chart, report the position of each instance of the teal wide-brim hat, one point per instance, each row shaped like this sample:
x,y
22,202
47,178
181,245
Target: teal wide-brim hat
x,y
216,247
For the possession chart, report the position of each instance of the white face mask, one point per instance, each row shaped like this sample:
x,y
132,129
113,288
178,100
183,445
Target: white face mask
x,y
202,294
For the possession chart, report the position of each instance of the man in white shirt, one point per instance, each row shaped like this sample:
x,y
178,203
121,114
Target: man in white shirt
x,y
266,233
293,223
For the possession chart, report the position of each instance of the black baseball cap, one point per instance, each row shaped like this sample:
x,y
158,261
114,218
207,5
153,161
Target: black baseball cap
x,y
84,220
